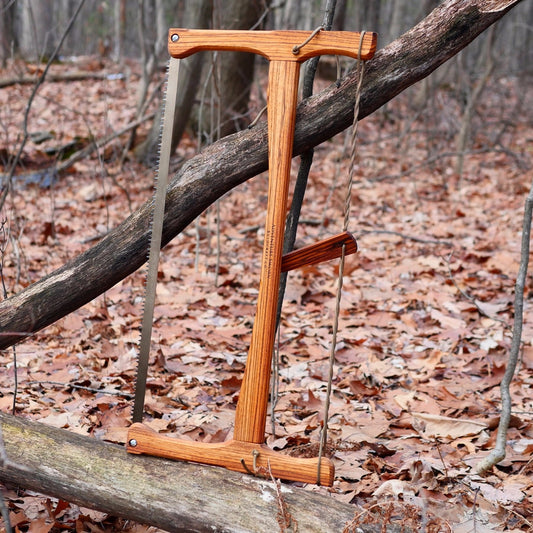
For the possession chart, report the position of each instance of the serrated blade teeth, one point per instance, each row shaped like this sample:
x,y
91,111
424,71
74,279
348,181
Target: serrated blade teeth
x,y
156,232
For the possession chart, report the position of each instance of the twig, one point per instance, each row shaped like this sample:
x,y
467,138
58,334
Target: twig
x,y
265,13
519,516
530,460
351,527
284,517
82,387
65,76
84,152
256,119
474,504
405,236
443,155
95,145
498,453
473,97
437,445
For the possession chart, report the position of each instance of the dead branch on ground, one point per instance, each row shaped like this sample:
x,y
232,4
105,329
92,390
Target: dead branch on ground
x,y
498,453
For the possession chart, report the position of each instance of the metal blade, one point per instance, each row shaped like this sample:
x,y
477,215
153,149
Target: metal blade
x,y
155,242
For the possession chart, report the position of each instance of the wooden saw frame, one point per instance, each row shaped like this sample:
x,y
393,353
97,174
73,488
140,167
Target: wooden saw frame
x,y
247,451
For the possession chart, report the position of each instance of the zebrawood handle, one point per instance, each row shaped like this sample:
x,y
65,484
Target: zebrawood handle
x,y
325,250
250,416
274,45
239,456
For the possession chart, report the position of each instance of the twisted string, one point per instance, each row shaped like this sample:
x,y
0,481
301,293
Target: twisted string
x,y
297,47
340,279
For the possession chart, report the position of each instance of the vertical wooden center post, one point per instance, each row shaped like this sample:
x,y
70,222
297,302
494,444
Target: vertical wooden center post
x,y
250,417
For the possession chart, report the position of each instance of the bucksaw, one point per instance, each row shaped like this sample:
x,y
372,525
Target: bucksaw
x,y
246,451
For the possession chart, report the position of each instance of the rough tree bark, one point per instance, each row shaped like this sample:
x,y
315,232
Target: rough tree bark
x,y
236,158
234,71
174,496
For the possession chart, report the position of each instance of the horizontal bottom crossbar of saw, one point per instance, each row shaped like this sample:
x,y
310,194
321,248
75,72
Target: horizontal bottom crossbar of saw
x,y
240,456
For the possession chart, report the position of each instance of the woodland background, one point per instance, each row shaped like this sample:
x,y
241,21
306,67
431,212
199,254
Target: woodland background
x,y
442,175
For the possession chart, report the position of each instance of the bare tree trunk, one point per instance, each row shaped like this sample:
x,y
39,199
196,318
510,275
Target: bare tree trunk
x,y
396,20
236,68
36,37
236,158
197,15
371,17
340,16
119,29
7,36
149,56
474,92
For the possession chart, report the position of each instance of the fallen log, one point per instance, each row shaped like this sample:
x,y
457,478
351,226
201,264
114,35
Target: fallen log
x,y
174,496
237,158
60,77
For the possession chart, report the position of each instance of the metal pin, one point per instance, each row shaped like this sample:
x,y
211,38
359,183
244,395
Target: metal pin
x,y
133,443
174,37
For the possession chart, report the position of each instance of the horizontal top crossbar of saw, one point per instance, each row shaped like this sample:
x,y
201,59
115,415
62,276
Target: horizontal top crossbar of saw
x,y
274,45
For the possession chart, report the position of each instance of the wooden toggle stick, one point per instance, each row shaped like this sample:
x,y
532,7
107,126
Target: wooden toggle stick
x,y
325,250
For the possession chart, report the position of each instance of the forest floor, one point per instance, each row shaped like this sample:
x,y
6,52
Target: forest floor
x,y
425,326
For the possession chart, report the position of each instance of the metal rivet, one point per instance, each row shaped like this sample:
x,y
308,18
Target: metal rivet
x,y
133,443
174,37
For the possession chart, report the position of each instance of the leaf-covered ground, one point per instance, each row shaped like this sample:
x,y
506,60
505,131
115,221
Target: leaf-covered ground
x,y
425,325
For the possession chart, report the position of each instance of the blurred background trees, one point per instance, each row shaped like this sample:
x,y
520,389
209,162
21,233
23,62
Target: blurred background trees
x,y
215,91
30,28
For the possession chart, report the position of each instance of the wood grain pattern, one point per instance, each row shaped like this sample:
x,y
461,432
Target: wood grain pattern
x,y
239,456
274,45
251,411
176,496
325,250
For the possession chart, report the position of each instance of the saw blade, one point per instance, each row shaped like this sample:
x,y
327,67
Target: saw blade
x,y
155,241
